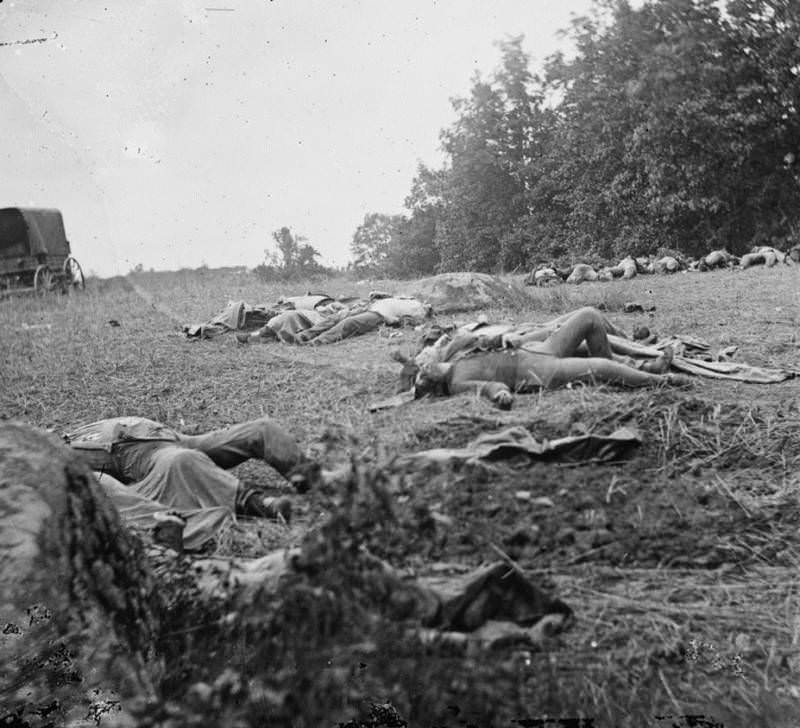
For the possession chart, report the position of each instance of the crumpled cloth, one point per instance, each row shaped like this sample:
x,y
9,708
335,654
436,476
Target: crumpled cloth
x,y
236,316
142,513
515,441
694,356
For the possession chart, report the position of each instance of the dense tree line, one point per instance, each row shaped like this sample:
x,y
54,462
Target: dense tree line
x,y
673,125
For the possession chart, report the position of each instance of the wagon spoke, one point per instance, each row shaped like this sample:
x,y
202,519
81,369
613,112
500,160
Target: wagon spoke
x,y
73,274
43,280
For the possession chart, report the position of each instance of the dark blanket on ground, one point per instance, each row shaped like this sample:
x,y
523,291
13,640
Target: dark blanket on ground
x,y
517,441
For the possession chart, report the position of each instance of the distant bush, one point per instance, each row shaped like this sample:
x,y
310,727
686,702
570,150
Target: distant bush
x,y
294,259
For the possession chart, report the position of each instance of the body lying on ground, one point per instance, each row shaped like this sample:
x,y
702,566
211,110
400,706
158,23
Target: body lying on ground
x,y
717,259
667,264
626,268
547,274
764,255
582,272
543,275
497,593
682,354
361,317
150,470
546,357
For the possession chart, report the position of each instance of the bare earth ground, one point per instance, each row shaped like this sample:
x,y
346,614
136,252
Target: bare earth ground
x,y
681,564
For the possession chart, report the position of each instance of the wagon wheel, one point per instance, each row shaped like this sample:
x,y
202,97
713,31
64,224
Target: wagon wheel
x,y
43,280
73,274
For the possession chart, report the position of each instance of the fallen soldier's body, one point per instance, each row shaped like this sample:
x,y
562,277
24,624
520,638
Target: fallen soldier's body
x,y
764,255
717,259
543,276
582,272
682,354
645,264
497,593
666,265
308,310
439,346
628,267
625,269
545,358
149,470
304,327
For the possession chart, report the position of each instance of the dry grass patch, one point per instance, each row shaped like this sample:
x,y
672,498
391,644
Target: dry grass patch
x,y
680,564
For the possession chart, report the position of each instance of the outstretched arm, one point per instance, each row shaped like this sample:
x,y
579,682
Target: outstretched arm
x,y
496,392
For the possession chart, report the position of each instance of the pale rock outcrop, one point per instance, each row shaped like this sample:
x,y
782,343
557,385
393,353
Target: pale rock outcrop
x,y
78,606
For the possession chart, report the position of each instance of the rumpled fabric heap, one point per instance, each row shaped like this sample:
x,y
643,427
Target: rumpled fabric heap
x,y
517,441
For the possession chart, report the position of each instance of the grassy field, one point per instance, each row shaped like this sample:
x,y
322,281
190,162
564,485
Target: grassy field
x,y
681,565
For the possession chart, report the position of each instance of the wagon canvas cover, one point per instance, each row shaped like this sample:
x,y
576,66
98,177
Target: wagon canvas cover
x,y
32,231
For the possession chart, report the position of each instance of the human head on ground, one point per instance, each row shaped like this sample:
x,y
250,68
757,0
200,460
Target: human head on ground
x,y
428,378
431,379
408,374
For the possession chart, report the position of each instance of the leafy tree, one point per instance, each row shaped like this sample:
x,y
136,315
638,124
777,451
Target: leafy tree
x,y
765,61
372,243
491,148
670,128
673,124
402,246
293,257
414,251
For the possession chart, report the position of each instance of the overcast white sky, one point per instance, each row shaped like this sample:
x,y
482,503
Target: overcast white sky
x,y
172,134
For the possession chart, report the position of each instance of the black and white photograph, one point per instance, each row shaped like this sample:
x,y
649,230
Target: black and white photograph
x,y
380,364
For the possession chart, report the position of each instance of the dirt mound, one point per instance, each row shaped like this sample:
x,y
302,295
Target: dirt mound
x,y
75,595
452,292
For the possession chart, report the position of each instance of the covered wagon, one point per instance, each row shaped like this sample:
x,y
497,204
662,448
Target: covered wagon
x,y
35,253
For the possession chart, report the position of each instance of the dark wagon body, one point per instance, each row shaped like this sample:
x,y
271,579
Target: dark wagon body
x,y
34,251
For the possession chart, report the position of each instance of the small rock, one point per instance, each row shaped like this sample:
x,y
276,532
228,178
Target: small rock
x,y
492,509
521,537
442,519
565,534
200,692
523,495
601,537
543,501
